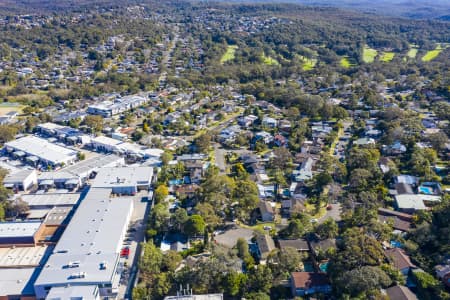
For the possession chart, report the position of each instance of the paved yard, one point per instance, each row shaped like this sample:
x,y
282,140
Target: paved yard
x,y
334,213
230,237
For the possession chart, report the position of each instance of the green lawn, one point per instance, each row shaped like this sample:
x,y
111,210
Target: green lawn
x,y
346,63
412,53
308,63
229,54
269,60
369,54
387,56
432,54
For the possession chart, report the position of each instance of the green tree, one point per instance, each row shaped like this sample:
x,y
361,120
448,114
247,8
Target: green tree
x,y
95,123
7,133
161,193
362,281
328,229
195,225
283,262
203,142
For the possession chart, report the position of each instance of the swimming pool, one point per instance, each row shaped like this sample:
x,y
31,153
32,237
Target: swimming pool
x,y
426,190
324,267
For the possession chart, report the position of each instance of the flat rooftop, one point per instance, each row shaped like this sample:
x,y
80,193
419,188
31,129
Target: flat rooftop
x,y
126,176
73,292
18,281
22,256
93,164
92,238
51,199
43,149
18,176
18,229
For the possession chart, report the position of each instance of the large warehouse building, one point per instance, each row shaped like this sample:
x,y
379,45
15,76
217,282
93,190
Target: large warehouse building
x,y
40,151
124,181
88,252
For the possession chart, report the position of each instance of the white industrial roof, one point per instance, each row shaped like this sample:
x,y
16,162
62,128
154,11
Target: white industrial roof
x,y
43,149
18,229
127,176
17,281
93,237
73,292
18,176
106,140
94,163
21,256
57,199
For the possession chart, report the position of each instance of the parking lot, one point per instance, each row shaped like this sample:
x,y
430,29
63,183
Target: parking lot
x,y
135,235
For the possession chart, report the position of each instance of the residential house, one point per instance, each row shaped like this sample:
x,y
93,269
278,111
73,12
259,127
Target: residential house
x,y
443,273
301,245
186,190
400,292
410,203
396,148
400,260
269,122
263,136
318,246
265,245
267,211
364,142
280,140
292,206
307,283
304,173
246,121
408,179
400,221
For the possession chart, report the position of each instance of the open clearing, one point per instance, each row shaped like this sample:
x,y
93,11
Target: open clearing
x,y
229,54
412,53
346,62
432,54
369,54
269,60
387,56
8,107
308,63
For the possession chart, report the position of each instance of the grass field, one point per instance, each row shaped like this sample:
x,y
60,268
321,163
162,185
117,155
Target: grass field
x,y
412,53
8,107
346,63
432,54
229,54
269,60
369,54
308,63
387,56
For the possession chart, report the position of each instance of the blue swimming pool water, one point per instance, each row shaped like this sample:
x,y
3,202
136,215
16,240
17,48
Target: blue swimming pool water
x,y
425,190
324,267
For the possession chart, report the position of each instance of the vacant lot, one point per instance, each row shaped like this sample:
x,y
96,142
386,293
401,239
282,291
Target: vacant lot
x,y
229,54
8,107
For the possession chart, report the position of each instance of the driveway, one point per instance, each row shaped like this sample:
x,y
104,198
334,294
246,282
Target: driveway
x,y
334,213
230,237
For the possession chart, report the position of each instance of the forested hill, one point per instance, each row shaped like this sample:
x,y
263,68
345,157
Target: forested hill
x,y
415,9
